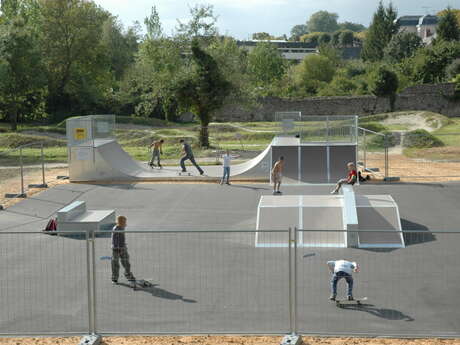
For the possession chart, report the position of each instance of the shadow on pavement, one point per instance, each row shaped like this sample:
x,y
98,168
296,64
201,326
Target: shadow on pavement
x,y
387,314
160,293
423,235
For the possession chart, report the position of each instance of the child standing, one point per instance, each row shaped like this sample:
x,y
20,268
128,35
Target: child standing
x,y
227,160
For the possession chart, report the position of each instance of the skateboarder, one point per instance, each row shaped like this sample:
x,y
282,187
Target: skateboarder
x,y
342,269
120,251
351,178
187,153
227,159
277,175
157,147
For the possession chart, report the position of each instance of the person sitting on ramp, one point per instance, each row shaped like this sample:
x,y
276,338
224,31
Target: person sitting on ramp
x,y
277,175
120,252
187,154
157,147
342,269
351,178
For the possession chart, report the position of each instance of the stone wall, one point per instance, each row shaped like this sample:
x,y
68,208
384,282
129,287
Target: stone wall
x,y
436,98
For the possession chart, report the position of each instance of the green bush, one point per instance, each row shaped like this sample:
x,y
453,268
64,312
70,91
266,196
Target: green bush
x,y
373,126
379,141
421,139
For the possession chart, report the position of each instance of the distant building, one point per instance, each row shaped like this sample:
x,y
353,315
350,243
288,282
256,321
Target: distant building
x,y
289,50
424,26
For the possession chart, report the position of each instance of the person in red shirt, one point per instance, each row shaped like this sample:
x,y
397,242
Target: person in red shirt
x,y
351,178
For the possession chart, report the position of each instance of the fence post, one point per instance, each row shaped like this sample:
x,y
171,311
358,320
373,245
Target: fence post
x,y
44,185
292,338
23,194
291,325
88,281
93,255
365,150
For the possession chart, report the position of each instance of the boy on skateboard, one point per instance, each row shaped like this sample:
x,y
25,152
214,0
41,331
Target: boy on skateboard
x,y
157,151
226,176
351,178
277,175
342,269
120,252
187,154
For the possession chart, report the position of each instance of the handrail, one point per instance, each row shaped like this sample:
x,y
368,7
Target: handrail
x,y
39,143
369,131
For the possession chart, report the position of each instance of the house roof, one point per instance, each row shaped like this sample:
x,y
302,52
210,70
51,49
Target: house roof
x,y
428,20
408,20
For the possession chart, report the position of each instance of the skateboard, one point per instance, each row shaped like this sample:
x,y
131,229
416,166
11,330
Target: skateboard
x,y
137,284
277,193
186,173
341,302
140,284
153,166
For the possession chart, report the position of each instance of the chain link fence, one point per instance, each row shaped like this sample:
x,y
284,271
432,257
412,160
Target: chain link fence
x,y
212,282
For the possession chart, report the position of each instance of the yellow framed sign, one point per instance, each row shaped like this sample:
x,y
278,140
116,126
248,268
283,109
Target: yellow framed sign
x,y
79,133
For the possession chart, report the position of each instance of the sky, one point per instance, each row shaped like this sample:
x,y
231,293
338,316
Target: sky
x,y
241,18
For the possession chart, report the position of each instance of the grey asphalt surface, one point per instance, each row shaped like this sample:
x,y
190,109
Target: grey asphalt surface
x,y
207,282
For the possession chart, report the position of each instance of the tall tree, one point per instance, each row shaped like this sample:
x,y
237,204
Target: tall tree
x,y
355,27
21,70
203,91
202,23
380,32
76,61
297,31
262,36
384,83
323,21
455,10
448,27
265,64
153,25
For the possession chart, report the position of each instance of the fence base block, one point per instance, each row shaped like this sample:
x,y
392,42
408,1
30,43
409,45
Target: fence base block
x,y
14,196
392,179
92,339
38,185
1,207
292,339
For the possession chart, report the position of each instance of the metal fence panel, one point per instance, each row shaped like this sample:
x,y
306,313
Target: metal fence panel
x,y
411,291
203,282
44,287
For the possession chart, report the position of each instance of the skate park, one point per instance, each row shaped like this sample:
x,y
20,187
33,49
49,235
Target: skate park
x,y
197,244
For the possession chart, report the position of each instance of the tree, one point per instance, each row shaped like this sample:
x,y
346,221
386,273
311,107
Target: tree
x,y
265,64
121,46
380,32
76,63
430,63
335,41
355,27
384,83
202,24
262,36
323,21
297,31
347,38
403,45
204,90
21,75
324,38
456,11
315,70
448,27
153,25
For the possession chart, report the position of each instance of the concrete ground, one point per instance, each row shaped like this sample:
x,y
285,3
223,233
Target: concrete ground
x,y
209,280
